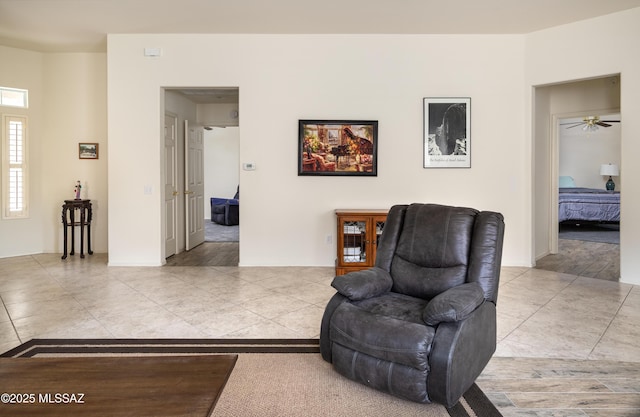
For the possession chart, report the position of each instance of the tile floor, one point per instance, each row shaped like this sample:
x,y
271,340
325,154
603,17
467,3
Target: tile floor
x,y
541,314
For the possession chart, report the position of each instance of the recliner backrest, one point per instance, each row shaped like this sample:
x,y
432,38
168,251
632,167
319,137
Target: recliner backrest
x,y
429,248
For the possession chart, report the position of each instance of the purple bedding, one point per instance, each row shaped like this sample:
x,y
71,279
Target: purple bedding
x,y
589,204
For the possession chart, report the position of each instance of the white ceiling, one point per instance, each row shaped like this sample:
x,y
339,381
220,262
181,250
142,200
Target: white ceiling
x,y
82,25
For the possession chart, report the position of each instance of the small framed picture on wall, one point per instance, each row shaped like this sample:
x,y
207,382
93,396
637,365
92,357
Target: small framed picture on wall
x,y
87,150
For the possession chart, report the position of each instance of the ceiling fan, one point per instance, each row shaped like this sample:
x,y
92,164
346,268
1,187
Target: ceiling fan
x,y
591,123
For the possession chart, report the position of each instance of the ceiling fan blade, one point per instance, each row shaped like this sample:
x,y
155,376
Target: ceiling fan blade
x,y
603,124
575,125
610,121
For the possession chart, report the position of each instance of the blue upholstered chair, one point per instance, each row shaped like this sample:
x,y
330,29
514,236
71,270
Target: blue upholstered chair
x,y
226,211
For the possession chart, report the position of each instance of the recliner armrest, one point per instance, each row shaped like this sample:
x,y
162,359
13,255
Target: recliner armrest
x,y
360,285
455,304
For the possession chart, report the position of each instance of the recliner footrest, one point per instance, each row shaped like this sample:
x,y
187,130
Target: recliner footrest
x,y
393,378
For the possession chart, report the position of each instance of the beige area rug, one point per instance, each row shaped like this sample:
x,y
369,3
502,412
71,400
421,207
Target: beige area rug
x,y
306,385
283,377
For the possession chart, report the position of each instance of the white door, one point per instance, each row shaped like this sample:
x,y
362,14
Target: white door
x,y
194,184
170,184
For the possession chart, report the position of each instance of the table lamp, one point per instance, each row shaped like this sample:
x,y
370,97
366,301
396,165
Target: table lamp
x,y
612,171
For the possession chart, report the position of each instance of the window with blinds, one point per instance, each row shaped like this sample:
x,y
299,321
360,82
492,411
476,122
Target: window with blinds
x,y
14,167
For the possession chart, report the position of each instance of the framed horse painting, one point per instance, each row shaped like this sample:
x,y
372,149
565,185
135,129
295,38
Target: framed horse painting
x,y
338,147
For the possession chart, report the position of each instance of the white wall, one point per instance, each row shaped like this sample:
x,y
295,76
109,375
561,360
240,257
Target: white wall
x,y
582,153
561,54
221,164
218,114
24,69
359,76
283,78
67,105
75,96
369,77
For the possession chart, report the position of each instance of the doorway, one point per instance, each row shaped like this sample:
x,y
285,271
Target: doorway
x,y
200,113
563,148
587,227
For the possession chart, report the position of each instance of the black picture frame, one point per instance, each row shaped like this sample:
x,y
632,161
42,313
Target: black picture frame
x,y
338,147
447,132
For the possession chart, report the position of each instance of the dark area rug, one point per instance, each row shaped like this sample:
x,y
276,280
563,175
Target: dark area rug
x,y
590,232
50,347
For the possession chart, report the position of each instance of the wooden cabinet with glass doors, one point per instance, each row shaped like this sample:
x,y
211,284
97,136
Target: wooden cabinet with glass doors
x,y
358,235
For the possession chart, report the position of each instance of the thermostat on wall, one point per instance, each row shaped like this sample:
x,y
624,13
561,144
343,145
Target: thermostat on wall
x,y
249,166
152,51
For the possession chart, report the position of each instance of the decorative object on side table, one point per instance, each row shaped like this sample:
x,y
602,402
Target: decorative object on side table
x,y
447,132
612,171
77,189
338,147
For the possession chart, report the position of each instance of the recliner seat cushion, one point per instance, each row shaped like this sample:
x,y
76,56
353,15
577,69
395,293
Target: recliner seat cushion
x,y
398,306
385,328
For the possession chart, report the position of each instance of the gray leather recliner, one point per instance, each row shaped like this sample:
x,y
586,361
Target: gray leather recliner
x,y
420,324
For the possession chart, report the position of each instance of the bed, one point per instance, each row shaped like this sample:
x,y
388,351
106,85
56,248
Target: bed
x,y
587,204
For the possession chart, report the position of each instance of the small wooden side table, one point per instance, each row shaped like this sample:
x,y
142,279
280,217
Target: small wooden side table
x,y
69,221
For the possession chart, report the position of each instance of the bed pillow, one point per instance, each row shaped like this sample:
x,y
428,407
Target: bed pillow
x,y
567,182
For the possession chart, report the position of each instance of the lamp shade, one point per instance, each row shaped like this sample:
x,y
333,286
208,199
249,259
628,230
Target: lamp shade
x,y
609,169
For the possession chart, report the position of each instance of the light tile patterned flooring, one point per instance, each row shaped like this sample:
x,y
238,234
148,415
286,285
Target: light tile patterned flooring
x,y
556,325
